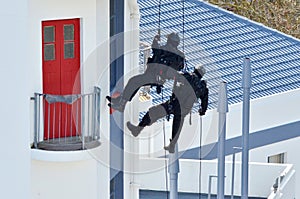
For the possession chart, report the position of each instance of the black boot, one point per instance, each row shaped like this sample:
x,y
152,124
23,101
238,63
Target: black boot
x,y
117,103
114,100
170,147
135,130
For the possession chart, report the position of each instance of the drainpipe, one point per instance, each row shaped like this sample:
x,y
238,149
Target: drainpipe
x,y
246,84
222,109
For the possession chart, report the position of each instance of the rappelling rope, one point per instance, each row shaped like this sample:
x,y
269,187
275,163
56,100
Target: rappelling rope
x,y
183,23
166,162
159,6
183,32
200,155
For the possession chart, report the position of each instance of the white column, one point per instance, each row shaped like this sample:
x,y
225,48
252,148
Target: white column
x,y
131,144
246,84
102,54
222,110
15,72
173,170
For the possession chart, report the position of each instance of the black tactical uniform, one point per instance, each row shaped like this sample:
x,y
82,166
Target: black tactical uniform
x,y
187,90
165,63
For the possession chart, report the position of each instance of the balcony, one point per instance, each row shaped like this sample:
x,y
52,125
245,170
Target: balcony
x,y
66,122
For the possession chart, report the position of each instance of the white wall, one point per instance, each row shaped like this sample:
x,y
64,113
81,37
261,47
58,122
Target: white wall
x,y
94,15
131,50
76,179
55,9
265,113
290,147
152,176
15,73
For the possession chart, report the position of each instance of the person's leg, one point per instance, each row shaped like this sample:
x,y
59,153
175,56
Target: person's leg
x,y
131,88
149,118
176,129
179,115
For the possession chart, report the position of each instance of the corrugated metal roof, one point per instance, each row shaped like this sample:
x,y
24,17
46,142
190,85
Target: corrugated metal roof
x,y
221,40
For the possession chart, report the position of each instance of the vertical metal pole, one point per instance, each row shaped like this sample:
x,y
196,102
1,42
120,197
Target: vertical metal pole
x,y
35,121
209,186
94,109
222,109
173,173
232,175
98,113
233,170
246,84
83,122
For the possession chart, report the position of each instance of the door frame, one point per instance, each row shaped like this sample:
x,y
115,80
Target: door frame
x,y
80,54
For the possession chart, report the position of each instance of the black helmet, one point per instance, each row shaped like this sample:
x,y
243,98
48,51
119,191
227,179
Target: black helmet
x,y
173,37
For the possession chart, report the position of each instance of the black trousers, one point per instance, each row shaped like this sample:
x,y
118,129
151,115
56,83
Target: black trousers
x,y
162,110
154,75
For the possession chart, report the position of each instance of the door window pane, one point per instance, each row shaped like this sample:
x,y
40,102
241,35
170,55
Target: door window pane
x,y
69,50
69,32
49,52
49,34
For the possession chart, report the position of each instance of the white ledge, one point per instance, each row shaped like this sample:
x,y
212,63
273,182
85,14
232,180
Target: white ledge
x,y
60,156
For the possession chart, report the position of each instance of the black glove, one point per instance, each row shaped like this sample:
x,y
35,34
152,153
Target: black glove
x,y
201,112
157,37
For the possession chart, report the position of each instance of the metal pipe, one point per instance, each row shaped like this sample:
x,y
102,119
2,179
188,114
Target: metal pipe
x,y
48,122
94,105
98,113
71,120
173,173
233,170
246,84
222,109
39,117
209,185
35,120
88,115
82,122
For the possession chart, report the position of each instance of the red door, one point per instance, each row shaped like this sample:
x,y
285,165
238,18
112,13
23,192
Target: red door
x,y
61,76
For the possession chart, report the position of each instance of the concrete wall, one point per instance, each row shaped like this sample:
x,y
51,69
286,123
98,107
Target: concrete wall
x,y
260,182
94,15
131,52
68,175
265,113
15,75
290,147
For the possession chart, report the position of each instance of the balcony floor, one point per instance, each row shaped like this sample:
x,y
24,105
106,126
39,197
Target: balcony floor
x,y
67,144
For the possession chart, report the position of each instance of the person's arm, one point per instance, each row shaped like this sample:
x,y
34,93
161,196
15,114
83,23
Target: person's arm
x,y
204,98
155,41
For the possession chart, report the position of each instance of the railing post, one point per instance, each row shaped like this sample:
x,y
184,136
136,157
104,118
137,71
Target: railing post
x,y
94,112
83,121
35,121
209,185
97,130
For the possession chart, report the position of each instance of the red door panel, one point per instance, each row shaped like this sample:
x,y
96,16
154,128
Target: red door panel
x,y
61,76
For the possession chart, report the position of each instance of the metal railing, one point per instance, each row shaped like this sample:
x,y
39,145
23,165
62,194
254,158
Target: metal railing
x,y
66,122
